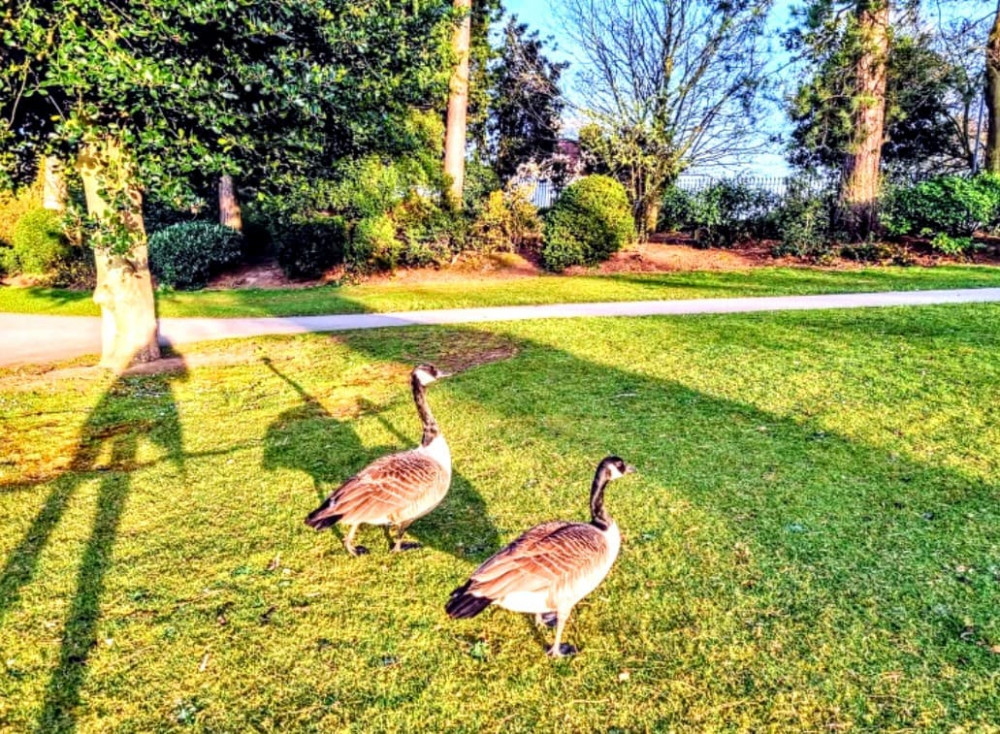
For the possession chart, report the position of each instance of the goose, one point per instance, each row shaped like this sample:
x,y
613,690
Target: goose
x,y
550,568
397,489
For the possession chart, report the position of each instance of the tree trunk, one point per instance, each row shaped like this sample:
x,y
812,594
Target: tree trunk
x,y
860,185
53,185
230,214
650,215
124,286
458,104
992,162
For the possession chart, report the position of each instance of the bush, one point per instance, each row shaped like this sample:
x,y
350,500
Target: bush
x,y
676,209
374,245
430,234
480,181
186,255
14,205
257,239
729,212
591,220
506,221
949,209
307,248
38,245
804,221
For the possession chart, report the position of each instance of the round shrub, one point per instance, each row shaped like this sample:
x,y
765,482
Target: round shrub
x,y
186,255
374,244
38,244
591,220
307,248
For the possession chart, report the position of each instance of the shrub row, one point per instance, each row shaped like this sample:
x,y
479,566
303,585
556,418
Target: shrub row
x,y
946,210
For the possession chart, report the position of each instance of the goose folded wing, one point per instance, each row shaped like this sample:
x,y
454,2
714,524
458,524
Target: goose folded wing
x,y
546,557
387,485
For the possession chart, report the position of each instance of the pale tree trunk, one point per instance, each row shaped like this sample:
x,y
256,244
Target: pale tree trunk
x,y
860,184
992,163
230,214
650,215
124,287
53,184
458,104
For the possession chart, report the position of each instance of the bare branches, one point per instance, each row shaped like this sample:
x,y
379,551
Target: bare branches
x,y
668,84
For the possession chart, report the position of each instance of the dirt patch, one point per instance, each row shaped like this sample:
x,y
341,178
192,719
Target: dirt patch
x,y
660,257
664,253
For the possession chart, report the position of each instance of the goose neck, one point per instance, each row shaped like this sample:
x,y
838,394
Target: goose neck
x,y
431,429
599,517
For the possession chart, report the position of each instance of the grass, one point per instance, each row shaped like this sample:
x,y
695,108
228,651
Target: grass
x,y
403,296
813,542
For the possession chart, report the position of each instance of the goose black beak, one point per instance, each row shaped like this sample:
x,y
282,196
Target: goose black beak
x,y
629,469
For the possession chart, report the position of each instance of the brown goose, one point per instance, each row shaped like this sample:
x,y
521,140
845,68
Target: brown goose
x,y
397,489
551,567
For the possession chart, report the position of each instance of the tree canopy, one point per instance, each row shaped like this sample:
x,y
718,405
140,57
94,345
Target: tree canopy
x,y
260,88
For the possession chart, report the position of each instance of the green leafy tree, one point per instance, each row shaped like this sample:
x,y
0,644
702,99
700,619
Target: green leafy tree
x,y
921,130
525,101
147,96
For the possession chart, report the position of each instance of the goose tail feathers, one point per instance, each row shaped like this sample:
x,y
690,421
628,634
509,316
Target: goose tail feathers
x,y
463,604
323,516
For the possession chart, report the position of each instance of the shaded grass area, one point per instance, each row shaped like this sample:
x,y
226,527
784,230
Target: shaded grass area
x,y
813,541
404,296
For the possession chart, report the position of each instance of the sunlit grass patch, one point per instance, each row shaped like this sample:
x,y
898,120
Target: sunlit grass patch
x,y
813,540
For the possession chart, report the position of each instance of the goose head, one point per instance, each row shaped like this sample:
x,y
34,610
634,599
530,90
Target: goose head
x,y
613,467
425,374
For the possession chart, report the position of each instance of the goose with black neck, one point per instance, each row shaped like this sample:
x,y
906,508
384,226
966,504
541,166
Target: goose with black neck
x,y
550,568
397,489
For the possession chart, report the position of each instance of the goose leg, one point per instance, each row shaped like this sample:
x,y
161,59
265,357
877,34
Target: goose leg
x,y
354,550
400,545
559,648
548,619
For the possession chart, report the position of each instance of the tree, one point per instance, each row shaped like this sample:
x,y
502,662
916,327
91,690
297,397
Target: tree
x,y
927,120
525,101
860,182
668,84
147,96
230,214
992,162
483,56
458,104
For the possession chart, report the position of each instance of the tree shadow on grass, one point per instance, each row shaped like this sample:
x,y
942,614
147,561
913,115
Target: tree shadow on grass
x,y
307,437
857,527
131,409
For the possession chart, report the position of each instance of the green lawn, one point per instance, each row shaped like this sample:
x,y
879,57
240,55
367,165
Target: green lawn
x,y
813,542
403,296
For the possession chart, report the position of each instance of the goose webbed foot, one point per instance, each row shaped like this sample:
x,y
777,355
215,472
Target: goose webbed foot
x,y
358,550
563,650
407,546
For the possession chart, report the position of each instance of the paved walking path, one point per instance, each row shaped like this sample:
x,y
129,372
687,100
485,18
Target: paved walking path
x,y
27,338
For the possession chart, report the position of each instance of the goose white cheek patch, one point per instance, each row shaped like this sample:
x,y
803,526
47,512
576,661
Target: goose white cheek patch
x,y
615,472
426,378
